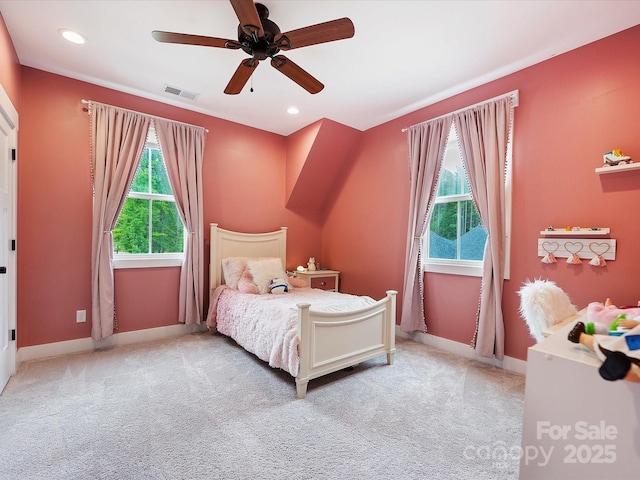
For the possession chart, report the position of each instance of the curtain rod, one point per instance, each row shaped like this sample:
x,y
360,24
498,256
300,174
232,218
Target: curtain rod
x,y
513,93
88,102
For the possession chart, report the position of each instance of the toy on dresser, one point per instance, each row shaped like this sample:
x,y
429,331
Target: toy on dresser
x,y
614,335
607,319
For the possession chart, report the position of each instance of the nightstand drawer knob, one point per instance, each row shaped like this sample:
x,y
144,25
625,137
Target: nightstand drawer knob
x,y
323,284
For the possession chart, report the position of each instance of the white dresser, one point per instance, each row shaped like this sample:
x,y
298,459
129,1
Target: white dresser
x,y
576,424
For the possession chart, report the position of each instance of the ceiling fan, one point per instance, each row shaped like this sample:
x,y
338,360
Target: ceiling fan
x,y
261,38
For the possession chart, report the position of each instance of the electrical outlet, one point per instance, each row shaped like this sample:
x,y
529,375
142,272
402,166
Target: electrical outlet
x,y
81,316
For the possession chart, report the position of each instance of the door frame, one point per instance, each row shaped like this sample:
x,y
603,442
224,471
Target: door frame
x,y
9,116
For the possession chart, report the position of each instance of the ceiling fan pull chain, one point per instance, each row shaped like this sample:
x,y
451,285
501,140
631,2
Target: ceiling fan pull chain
x,y
251,89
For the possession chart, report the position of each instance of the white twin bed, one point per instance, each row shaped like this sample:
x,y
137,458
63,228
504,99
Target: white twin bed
x,y
306,332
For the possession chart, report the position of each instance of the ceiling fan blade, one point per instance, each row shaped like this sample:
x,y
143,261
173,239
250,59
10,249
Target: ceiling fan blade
x,y
314,34
297,74
186,39
248,17
241,75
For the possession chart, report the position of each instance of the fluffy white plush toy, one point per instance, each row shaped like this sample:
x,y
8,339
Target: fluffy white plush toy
x,y
543,304
279,285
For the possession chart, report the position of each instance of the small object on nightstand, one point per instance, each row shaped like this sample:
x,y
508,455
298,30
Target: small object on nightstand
x,y
312,264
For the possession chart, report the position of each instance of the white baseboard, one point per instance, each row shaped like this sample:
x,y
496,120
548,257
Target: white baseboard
x,y
36,352
87,344
509,363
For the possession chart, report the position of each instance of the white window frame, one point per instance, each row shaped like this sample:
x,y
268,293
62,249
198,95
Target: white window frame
x,y
150,260
472,268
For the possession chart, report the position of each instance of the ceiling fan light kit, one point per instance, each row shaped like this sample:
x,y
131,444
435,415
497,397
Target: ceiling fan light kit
x,y
261,38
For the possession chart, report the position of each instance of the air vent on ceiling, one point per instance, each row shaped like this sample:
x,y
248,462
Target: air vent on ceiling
x,y
179,92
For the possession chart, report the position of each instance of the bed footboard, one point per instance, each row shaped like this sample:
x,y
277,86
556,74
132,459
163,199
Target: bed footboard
x,y
333,341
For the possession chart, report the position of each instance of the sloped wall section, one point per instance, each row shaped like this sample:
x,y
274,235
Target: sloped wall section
x,y
317,158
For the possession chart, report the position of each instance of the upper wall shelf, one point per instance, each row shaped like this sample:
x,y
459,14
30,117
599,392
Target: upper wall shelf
x,y
583,232
618,168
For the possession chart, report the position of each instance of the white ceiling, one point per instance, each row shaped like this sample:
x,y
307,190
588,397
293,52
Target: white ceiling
x,y
405,54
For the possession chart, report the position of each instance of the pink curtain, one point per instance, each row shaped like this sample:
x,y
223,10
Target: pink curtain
x,y
483,135
427,143
182,148
117,140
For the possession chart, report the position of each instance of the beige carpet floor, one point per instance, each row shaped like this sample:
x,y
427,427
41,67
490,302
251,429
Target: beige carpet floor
x,y
199,407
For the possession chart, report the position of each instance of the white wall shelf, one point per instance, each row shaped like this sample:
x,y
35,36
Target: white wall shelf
x,y
618,168
583,232
585,248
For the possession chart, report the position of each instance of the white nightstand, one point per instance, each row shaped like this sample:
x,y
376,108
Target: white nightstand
x,y
322,279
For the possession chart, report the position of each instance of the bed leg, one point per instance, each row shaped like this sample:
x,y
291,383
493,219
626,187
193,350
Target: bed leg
x,y
301,387
390,358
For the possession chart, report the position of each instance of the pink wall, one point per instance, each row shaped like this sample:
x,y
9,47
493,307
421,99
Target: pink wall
x,y
364,235
573,108
318,157
244,174
299,144
9,66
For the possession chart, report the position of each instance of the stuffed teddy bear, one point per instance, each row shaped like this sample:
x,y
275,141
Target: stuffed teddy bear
x,y
279,285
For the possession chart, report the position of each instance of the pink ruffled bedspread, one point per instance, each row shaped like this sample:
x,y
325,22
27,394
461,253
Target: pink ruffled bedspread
x,y
267,325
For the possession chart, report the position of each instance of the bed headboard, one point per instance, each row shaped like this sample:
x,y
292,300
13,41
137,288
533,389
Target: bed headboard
x,y
225,243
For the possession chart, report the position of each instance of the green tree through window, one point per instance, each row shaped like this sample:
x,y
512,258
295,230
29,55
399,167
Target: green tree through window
x,y
149,222
455,229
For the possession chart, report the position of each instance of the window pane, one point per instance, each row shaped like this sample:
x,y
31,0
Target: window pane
x,y
167,229
131,234
141,180
448,183
473,236
456,232
443,231
451,176
149,225
453,179
159,179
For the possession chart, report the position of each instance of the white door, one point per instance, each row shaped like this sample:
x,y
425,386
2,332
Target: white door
x,y
8,141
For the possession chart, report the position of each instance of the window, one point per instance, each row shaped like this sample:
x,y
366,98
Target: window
x,y
149,231
455,238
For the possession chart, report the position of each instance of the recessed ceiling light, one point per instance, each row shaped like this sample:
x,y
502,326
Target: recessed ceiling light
x,y
293,111
72,36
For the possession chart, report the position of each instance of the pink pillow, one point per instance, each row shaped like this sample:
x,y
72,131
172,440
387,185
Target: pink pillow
x,y
245,284
232,268
265,269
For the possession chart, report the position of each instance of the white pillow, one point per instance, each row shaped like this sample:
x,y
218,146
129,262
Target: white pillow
x,y
264,270
232,268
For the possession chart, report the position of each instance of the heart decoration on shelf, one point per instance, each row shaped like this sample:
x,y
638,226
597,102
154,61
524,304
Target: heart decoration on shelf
x,y
573,248
598,249
549,248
